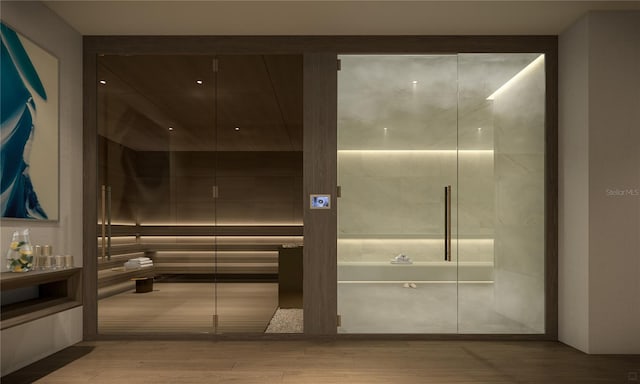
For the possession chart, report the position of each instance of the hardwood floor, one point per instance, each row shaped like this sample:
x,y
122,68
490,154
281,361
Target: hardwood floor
x,y
328,361
189,308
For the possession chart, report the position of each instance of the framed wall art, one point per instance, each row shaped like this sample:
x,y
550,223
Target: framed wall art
x,y
29,164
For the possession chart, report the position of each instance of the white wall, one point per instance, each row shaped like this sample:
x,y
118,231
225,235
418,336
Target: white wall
x,y
42,26
600,205
573,188
614,164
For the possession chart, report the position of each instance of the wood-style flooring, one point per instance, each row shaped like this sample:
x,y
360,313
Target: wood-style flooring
x,y
328,361
189,308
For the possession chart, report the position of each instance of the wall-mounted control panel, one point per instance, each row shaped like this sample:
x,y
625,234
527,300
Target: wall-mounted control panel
x,y
320,201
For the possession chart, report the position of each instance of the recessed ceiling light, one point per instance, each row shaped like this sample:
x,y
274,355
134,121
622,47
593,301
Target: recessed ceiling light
x,y
171,128
237,128
479,128
199,82
103,82
415,81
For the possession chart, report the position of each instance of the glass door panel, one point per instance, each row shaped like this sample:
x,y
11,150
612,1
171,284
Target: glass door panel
x,y
259,181
407,127
156,162
201,162
501,127
397,151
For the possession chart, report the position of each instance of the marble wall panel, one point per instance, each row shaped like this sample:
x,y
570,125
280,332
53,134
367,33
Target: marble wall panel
x,y
475,127
519,249
520,297
383,250
475,194
407,195
414,97
393,181
519,198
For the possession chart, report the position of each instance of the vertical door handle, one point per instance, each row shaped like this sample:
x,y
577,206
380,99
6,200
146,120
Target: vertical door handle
x,y
108,222
103,223
447,223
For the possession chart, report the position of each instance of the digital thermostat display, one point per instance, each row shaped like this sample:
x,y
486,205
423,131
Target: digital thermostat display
x,y
320,201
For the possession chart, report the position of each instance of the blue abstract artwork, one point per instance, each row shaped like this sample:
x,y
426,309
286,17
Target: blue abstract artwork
x,y
29,129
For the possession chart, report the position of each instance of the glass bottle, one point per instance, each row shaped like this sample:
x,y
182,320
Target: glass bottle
x,y
20,253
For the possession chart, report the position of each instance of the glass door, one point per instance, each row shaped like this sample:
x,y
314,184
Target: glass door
x,y
501,142
156,134
200,193
413,258
259,198
397,219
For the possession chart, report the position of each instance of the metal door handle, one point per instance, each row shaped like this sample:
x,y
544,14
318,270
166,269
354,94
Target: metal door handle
x,y
447,223
109,222
103,223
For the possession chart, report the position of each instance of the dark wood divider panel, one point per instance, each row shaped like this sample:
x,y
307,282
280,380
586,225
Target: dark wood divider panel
x,y
551,193
90,190
320,226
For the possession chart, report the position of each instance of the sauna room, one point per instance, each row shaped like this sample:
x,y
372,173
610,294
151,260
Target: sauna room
x,y
199,193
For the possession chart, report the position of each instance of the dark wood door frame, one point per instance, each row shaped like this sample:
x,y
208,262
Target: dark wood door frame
x,y
320,148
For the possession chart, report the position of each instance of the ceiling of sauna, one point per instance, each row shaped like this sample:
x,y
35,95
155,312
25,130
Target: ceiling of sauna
x,y
178,103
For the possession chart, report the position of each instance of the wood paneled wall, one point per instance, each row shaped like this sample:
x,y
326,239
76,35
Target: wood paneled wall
x,y
320,176
90,189
149,187
551,192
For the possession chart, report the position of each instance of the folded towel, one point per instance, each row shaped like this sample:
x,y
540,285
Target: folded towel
x,y
140,262
140,259
401,259
128,266
137,265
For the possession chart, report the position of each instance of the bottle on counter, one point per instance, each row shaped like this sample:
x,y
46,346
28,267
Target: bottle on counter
x,y
20,253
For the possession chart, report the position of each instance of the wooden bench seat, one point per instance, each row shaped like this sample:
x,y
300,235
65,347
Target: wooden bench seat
x,y
191,250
